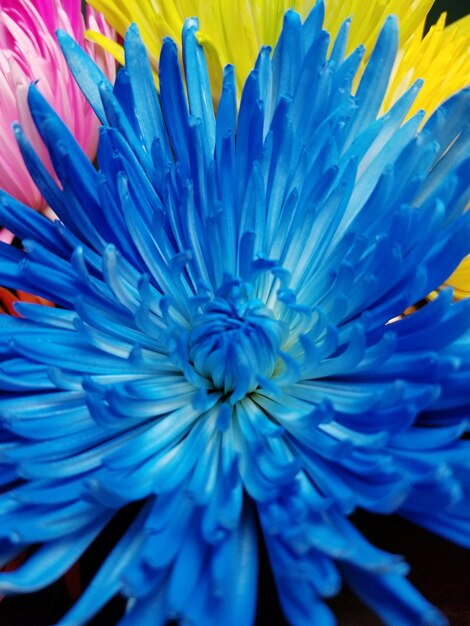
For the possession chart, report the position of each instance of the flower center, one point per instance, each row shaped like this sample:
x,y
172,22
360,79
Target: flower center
x,y
235,344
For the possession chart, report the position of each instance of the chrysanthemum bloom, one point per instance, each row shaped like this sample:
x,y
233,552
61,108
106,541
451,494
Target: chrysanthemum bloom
x,y
222,352
29,51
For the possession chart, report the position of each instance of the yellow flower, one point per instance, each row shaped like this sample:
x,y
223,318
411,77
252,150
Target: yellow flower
x,y
232,32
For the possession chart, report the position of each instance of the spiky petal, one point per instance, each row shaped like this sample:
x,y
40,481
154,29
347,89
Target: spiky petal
x,y
233,33
224,347
29,52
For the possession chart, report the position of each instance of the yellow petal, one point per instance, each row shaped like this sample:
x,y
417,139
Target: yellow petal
x,y
107,44
233,33
442,58
460,280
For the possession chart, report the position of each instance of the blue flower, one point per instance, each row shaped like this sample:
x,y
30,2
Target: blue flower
x,y
228,348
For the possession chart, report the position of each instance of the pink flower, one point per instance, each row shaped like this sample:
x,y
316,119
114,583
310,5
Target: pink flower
x,y
28,52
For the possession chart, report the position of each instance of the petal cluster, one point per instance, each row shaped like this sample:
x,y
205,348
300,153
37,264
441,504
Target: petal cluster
x,y
233,33
29,52
229,351
441,58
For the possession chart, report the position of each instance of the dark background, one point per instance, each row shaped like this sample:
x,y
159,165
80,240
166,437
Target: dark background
x,y
439,569
455,9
